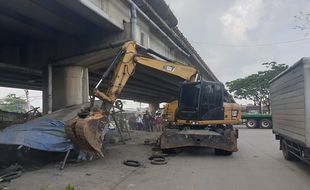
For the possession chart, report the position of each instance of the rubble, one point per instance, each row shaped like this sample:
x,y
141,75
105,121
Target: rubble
x,y
11,173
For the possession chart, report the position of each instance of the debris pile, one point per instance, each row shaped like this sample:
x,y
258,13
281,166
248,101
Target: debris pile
x,y
11,173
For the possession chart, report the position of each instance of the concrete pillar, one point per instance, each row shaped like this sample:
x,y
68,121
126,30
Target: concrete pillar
x,y
47,90
153,107
70,86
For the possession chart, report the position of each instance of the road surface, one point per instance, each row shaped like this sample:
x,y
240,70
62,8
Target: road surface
x,y
258,165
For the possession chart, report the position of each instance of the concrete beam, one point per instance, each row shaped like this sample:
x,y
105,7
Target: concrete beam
x,y
144,81
90,60
23,28
131,92
19,69
15,83
34,11
93,13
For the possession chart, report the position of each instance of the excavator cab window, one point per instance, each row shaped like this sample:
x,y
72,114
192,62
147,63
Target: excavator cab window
x,y
211,101
201,101
189,101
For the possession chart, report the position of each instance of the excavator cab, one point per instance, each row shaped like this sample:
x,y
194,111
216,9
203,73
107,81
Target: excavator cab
x,y
201,100
202,119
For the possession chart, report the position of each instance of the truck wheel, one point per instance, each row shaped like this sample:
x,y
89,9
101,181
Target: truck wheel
x,y
286,153
265,123
222,152
251,123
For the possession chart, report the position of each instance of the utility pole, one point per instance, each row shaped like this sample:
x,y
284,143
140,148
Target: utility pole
x,y
27,106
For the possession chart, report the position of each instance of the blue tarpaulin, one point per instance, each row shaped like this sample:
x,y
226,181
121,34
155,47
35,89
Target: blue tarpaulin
x,y
44,134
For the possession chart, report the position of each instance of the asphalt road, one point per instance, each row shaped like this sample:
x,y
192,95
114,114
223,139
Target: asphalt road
x,y
258,165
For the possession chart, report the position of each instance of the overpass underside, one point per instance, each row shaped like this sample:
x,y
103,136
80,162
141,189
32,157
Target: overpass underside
x,y
145,85
62,47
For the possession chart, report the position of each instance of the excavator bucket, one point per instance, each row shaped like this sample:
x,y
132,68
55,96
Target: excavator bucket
x,y
87,133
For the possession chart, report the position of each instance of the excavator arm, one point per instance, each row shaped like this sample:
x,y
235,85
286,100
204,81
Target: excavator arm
x,y
125,67
84,130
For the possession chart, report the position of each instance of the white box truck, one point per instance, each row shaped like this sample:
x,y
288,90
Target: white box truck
x,y
290,108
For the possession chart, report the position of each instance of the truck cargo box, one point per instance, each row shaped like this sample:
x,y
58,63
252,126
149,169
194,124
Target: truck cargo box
x,y
290,103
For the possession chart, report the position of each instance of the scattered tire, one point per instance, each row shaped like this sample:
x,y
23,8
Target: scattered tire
x,y
221,152
159,161
265,123
158,156
132,163
285,151
251,123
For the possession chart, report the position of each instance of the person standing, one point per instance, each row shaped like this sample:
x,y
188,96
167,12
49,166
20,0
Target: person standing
x,y
147,120
132,122
139,122
158,122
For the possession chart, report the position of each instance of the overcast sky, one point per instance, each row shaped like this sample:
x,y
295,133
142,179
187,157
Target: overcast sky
x,y
232,36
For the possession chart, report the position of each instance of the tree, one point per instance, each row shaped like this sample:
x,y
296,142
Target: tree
x,y
255,87
302,21
12,103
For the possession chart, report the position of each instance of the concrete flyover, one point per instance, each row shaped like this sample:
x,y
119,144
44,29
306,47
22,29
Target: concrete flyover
x,y
62,47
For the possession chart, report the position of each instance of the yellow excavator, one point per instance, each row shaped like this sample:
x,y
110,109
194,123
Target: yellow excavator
x,y
198,118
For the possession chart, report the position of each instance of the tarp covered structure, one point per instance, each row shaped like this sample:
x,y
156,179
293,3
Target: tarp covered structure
x,y
41,134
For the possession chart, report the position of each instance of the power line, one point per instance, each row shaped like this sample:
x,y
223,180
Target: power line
x,y
250,45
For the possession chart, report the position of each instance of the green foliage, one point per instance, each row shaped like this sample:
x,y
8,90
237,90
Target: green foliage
x,y
255,87
12,103
69,187
47,187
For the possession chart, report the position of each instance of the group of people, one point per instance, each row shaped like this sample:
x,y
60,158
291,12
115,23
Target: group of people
x,y
149,123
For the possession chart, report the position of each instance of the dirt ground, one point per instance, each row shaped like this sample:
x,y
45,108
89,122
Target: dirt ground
x,y
257,165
